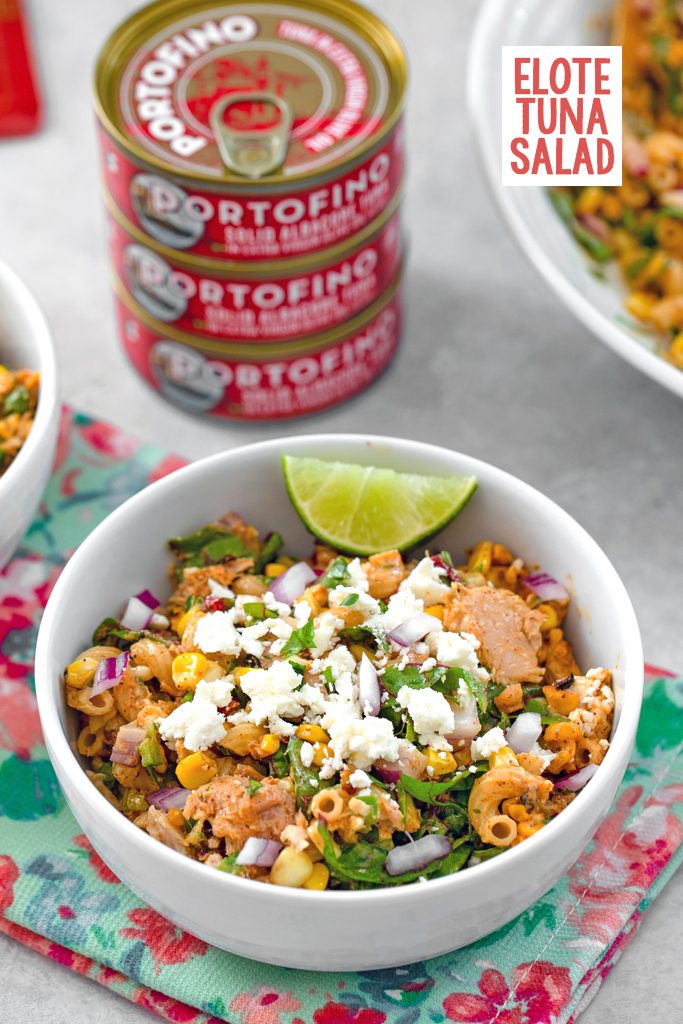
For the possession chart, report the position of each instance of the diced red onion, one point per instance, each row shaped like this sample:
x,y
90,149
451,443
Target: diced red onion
x,y
413,629
577,780
466,719
109,672
260,853
158,621
136,616
168,797
148,598
128,739
387,771
291,584
416,856
524,732
546,587
369,691
596,225
636,160
447,570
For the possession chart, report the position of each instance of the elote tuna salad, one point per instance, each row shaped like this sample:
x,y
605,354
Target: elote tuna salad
x,y
18,401
339,723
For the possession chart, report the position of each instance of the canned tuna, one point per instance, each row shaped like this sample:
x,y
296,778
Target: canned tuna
x,y
251,129
271,382
274,302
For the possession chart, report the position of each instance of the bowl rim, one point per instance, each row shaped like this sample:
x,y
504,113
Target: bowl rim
x,y
487,31
50,697
12,284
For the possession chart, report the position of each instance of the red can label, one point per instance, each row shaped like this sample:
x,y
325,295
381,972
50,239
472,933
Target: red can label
x,y
277,388
241,307
256,225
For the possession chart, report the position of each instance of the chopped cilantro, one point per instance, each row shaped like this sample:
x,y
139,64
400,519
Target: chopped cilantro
x,y
336,574
230,864
253,786
351,599
328,676
300,640
17,400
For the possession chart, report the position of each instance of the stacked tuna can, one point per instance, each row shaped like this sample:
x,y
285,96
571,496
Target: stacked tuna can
x,y
252,155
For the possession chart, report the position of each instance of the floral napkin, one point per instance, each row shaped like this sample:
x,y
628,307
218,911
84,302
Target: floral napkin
x,y
57,896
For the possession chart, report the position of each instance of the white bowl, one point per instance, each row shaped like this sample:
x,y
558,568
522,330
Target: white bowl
x,y
560,260
334,930
25,343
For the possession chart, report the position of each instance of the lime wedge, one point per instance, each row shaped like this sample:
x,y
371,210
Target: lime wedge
x,y
363,509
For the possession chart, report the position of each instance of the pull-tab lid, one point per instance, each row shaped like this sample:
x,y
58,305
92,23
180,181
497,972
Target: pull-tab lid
x,y
256,150
183,84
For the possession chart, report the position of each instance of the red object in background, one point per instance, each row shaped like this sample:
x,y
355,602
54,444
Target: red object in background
x,y
20,106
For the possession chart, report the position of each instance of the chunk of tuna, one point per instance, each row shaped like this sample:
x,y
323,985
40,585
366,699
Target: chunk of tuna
x,y
234,815
507,629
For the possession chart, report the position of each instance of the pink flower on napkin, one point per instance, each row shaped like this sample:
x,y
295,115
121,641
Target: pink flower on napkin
x,y
109,440
264,1006
9,872
536,994
167,943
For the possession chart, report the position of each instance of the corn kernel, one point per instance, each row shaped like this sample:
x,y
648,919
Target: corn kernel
x,y
436,610
273,570
441,762
80,672
639,305
292,868
195,769
480,559
524,830
188,670
321,752
268,745
312,733
176,817
675,352
502,758
286,560
551,620
240,671
319,878
180,622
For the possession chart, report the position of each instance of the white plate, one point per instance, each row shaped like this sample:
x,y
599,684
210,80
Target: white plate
x,y
533,221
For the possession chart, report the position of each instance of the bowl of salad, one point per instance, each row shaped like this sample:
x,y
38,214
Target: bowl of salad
x,y
612,255
331,684
29,409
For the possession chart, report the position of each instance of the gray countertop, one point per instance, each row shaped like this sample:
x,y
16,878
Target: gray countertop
x,y
491,364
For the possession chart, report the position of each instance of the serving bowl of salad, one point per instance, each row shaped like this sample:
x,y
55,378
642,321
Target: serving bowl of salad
x,y
29,409
415,716
611,255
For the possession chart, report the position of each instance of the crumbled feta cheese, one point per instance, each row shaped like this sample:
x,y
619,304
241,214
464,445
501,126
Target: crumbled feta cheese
x,y
431,713
275,606
546,756
198,723
458,650
428,664
358,579
361,741
306,754
250,638
216,634
327,626
360,779
402,605
280,629
343,666
218,691
482,748
426,582
364,602
276,693
302,613
218,590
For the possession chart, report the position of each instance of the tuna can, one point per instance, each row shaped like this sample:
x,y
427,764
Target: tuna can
x,y
242,382
251,129
264,303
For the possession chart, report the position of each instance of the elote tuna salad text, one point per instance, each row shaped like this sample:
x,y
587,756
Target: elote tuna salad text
x,y
339,723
